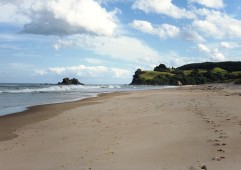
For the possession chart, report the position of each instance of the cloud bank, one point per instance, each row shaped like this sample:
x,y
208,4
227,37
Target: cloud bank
x,y
86,71
123,48
59,17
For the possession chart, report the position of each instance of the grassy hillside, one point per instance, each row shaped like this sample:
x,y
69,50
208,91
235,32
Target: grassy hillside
x,y
215,70
207,73
148,75
219,70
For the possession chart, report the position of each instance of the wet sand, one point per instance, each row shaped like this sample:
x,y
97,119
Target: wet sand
x,y
185,128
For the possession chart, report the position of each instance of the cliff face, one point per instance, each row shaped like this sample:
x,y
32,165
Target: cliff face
x,y
67,81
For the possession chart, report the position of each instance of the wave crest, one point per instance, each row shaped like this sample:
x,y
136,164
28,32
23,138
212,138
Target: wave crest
x,y
58,88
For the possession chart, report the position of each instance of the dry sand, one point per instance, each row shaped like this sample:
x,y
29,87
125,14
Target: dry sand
x,y
177,129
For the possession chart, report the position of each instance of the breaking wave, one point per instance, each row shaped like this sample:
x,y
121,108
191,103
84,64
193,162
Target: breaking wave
x,y
58,88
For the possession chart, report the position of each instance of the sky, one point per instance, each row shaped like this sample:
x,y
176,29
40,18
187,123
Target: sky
x,y
105,41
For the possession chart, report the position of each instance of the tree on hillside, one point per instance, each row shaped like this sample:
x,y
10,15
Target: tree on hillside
x,y
161,68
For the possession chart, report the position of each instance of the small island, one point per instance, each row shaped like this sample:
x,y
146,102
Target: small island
x,y
67,81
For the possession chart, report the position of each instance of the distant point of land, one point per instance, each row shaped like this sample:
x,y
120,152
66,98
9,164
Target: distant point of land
x,y
190,74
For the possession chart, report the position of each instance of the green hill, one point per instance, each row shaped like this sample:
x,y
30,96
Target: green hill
x,y
197,73
148,75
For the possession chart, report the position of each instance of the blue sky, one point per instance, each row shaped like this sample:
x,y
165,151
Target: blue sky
x,y
105,41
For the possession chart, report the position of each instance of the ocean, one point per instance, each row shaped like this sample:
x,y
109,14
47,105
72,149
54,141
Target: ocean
x,y
18,97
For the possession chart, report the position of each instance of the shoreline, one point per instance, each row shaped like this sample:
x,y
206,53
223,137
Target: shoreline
x,y
26,108
22,108
26,112
47,111
182,128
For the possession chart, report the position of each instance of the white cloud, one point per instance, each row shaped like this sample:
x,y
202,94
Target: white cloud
x,y
143,26
210,3
214,54
122,48
165,7
209,28
79,70
40,72
203,48
62,43
166,30
218,25
86,71
57,70
217,55
59,17
163,31
121,73
106,2
225,45
189,34
201,11
229,45
10,14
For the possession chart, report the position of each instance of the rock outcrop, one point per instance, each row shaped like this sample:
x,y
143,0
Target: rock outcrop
x,y
67,81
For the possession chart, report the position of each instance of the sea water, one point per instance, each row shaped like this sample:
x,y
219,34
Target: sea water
x,y
18,97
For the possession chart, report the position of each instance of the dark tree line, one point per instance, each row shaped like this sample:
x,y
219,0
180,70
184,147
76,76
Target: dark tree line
x,y
228,66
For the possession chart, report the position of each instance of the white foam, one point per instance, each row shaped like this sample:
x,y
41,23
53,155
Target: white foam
x,y
114,87
60,88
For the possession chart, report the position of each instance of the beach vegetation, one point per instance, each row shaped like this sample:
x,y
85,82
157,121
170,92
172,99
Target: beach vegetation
x,y
161,68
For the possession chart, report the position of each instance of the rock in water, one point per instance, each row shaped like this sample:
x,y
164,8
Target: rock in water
x,y
67,81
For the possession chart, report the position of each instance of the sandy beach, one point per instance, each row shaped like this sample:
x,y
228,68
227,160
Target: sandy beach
x,y
196,127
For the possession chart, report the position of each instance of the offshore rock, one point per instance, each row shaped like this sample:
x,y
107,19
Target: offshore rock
x,y
67,81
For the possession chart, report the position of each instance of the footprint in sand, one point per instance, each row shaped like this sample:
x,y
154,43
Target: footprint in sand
x,y
218,158
217,143
223,137
216,125
222,133
199,167
220,150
